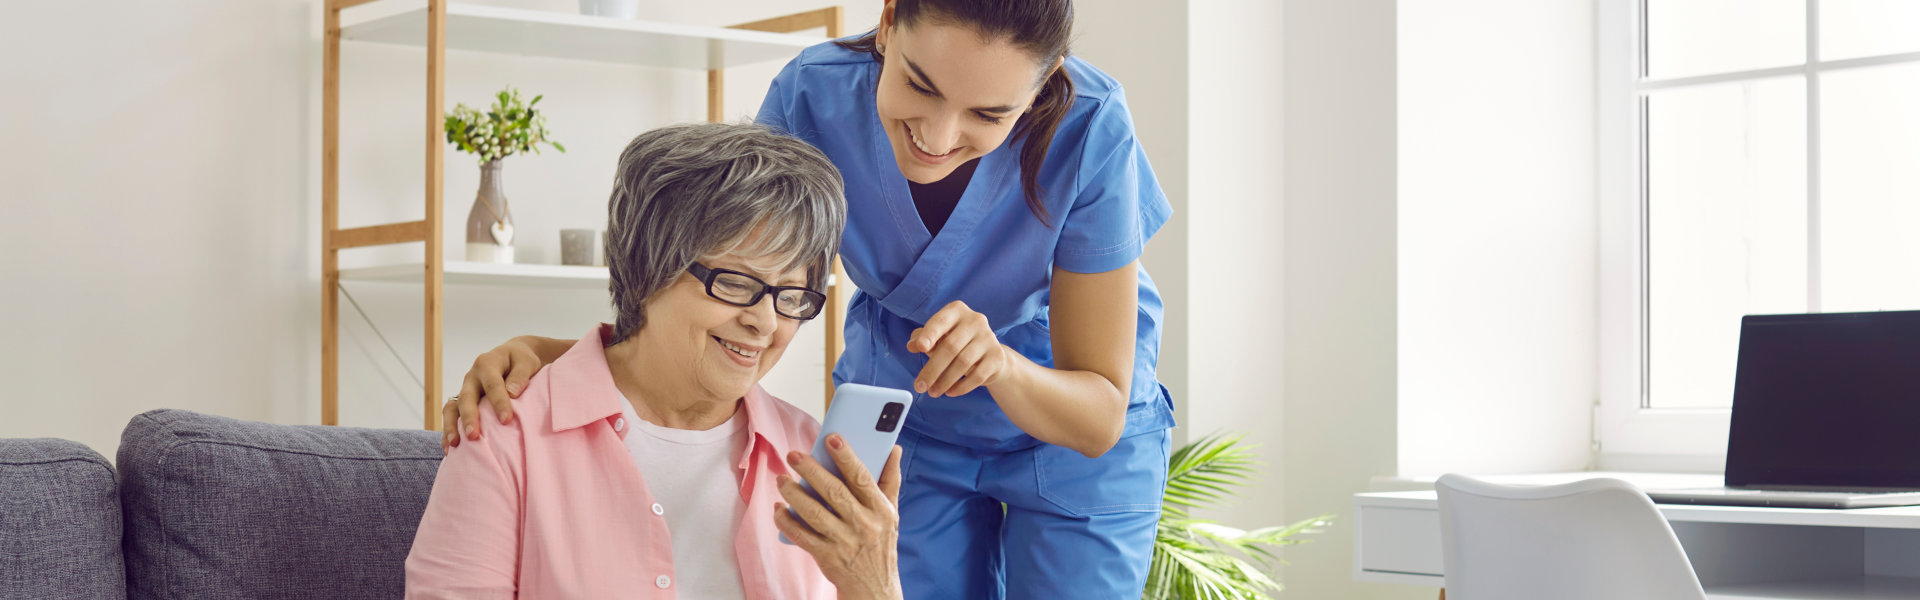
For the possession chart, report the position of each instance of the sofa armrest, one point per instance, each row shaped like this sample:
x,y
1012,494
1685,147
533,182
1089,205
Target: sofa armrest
x,y
59,522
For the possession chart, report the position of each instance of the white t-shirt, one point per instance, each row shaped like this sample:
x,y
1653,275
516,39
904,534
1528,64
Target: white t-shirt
x,y
696,489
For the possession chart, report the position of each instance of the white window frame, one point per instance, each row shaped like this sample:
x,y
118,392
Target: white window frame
x,y
1632,435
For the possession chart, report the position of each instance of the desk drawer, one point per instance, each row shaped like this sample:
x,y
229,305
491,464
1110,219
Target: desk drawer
x,y
1398,545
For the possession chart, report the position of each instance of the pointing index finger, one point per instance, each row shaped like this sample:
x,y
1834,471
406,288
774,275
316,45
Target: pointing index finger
x,y
924,338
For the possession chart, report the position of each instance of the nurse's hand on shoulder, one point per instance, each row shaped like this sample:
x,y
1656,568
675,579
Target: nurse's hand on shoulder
x,y
962,352
855,543
497,376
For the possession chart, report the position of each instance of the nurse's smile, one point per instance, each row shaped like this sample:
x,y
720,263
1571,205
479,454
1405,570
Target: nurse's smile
x,y
948,95
921,152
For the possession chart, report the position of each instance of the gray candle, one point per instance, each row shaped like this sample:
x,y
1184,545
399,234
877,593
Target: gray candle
x,y
581,247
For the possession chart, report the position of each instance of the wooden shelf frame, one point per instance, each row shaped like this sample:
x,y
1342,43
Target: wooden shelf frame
x,y
433,270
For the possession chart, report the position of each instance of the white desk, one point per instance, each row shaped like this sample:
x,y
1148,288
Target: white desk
x,y
1739,553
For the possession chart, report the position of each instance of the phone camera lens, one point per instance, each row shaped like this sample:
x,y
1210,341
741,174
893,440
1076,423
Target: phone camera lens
x,y
890,417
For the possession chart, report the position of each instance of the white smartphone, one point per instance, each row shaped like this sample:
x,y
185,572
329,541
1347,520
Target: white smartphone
x,y
869,418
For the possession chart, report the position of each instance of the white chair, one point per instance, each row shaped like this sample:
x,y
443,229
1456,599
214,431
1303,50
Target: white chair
x,y
1598,539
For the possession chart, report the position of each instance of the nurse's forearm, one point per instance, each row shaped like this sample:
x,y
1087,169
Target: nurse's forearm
x,y
548,349
1081,410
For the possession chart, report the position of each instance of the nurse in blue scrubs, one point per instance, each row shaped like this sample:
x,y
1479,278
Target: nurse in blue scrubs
x,y
998,202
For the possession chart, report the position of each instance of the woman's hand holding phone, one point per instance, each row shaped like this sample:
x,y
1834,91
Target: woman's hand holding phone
x,y
852,536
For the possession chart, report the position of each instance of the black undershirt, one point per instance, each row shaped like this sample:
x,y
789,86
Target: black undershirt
x,y
935,201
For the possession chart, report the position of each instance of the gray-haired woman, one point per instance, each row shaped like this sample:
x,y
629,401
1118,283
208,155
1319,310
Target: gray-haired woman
x,y
647,458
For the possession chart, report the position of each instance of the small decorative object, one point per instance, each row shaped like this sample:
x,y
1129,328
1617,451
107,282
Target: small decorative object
x,y
619,9
581,247
1197,558
510,127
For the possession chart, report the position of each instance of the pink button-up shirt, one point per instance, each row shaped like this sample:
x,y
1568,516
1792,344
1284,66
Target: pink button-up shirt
x,y
552,505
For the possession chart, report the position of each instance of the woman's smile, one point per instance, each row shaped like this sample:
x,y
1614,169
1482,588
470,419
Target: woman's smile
x,y
920,150
741,354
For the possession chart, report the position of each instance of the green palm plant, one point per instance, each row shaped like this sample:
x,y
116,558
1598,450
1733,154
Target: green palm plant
x,y
1195,559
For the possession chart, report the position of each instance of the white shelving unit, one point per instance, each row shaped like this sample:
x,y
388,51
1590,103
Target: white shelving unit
x,y
437,25
548,34
476,273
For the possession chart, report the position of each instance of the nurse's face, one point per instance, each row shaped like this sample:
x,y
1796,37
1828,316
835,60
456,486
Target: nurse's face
x,y
720,348
947,96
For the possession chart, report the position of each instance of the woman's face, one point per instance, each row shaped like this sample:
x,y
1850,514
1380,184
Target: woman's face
x,y
723,349
947,96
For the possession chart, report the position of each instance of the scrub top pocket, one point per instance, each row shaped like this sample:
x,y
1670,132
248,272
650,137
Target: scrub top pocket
x,y
1130,478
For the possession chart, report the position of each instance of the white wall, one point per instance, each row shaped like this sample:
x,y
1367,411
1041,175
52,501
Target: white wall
x,y
1498,236
1109,35
1338,252
155,236
162,207
1235,270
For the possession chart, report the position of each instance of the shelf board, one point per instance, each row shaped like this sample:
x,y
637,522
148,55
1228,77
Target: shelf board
x,y
549,34
476,273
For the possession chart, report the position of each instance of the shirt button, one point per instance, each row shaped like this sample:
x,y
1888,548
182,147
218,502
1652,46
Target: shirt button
x,y
620,424
659,510
663,581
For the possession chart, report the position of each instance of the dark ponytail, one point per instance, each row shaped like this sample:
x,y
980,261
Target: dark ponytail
x,y
1041,27
1035,131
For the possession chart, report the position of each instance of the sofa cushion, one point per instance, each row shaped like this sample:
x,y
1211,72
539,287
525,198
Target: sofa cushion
x,y
222,508
59,522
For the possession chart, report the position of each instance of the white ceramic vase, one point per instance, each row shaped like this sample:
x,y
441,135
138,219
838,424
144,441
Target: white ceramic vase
x,y
490,221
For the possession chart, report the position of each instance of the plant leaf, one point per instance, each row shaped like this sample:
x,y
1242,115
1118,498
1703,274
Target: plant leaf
x,y
1203,559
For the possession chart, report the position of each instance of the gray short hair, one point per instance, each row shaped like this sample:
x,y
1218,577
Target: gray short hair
x,y
684,192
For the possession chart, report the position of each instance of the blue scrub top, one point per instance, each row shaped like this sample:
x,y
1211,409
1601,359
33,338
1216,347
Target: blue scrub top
x,y
993,254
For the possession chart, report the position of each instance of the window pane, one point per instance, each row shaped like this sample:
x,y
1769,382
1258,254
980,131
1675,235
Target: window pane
x,y
1697,37
1870,189
1856,28
1727,228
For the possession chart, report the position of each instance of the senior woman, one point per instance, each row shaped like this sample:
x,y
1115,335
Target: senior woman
x,y
647,461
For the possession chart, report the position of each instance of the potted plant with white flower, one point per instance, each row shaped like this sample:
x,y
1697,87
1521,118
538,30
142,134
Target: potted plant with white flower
x,y
510,127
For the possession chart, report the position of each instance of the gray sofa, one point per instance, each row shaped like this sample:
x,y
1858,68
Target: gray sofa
x,y
210,507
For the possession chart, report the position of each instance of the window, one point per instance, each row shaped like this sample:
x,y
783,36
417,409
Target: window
x,y
1757,156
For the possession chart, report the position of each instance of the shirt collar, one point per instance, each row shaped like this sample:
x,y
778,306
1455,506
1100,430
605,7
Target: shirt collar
x,y
581,391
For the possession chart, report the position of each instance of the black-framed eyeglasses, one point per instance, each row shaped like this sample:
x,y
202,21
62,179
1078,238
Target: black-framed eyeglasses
x,y
741,289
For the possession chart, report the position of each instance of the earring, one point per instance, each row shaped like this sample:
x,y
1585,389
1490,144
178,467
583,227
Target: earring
x,y
881,48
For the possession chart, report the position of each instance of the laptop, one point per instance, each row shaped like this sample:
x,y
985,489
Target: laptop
x,y
1826,414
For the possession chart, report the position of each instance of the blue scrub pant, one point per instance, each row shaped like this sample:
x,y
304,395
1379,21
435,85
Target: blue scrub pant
x,y
1073,527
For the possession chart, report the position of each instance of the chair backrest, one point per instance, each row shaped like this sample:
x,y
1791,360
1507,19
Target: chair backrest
x,y
1598,539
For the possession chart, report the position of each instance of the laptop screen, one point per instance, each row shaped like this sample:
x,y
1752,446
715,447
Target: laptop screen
x,y
1827,399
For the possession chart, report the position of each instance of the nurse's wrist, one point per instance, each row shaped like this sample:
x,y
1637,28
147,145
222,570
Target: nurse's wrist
x,y
891,591
1015,375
